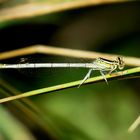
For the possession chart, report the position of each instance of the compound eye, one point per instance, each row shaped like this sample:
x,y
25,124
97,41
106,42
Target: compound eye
x,y
121,67
120,62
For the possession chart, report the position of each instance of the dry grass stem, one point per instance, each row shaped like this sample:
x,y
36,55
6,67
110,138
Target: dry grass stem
x,y
42,49
40,8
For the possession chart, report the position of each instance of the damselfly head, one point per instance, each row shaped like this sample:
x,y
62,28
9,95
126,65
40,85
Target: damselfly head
x,y
120,62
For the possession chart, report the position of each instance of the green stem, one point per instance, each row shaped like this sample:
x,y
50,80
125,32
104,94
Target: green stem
x,y
118,75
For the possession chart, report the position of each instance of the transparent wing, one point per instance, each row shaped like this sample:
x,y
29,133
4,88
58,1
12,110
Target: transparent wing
x,y
51,76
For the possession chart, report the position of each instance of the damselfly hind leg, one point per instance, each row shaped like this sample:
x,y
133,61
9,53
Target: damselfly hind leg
x,y
86,77
104,76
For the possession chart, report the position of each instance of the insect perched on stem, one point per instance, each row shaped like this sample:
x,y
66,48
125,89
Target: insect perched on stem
x,y
101,64
105,66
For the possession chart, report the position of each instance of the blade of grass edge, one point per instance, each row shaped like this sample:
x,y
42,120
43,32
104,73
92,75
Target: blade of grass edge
x,y
119,75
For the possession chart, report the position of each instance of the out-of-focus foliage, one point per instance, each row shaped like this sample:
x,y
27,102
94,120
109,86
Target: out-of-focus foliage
x,y
95,112
11,128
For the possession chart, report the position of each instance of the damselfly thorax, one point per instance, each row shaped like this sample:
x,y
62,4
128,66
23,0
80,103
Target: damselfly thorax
x,y
107,65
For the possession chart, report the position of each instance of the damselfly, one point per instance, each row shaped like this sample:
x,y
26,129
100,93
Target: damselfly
x,y
101,64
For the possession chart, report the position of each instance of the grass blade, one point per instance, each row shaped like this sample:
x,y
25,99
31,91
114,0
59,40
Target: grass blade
x,y
126,74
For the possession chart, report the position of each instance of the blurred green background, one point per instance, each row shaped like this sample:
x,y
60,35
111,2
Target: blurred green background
x,y
92,112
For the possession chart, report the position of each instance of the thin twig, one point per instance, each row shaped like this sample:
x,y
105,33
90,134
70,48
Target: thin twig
x,y
41,8
135,124
117,75
42,49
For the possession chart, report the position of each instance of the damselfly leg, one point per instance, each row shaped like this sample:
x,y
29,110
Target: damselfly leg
x,y
86,77
104,77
